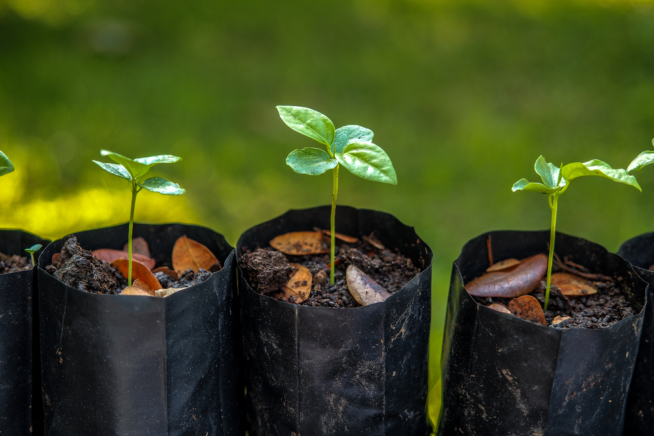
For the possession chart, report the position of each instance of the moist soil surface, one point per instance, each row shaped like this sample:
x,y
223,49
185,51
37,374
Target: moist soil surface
x,y
77,268
601,310
15,263
267,270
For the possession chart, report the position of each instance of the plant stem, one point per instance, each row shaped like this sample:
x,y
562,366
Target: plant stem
x,y
131,228
553,201
333,223
32,255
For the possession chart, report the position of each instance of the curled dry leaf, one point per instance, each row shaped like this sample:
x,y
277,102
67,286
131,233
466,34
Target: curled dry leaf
x,y
139,272
342,237
139,246
167,292
503,265
139,284
560,319
169,272
527,307
298,286
108,255
520,280
499,308
133,290
364,289
300,243
190,254
572,285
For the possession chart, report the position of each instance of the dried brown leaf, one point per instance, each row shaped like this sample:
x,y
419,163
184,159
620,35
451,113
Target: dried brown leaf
x,y
108,255
512,283
373,241
527,307
169,272
342,237
503,265
300,243
499,308
139,284
167,292
363,288
190,254
560,319
133,290
298,286
572,285
139,246
139,272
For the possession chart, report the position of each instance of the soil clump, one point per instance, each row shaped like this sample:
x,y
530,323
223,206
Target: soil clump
x,y
15,263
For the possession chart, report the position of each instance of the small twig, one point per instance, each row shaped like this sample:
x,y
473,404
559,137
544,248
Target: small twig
x,y
589,276
489,247
373,241
567,261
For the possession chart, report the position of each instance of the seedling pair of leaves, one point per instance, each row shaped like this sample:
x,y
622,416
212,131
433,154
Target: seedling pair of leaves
x,y
348,146
556,180
134,170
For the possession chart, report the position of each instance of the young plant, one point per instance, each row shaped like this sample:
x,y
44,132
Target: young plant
x,y
556,181
348,146
5,164
33,249
642,160
134,170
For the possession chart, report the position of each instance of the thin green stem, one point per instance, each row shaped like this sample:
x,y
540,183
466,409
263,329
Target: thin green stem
x,y
333,223
32,255
131,229
553,200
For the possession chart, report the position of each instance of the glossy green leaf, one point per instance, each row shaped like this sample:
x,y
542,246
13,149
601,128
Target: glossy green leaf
x,y
548,172
162,186
526,185
641,161
156,160
598,168
311,161
115,169
346,134
368,161
136,169
308,122
34,248
5,164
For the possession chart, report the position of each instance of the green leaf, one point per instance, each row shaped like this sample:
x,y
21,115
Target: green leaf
x,y
548,173
5,164
308,122
641,161
162,186
156,160
311,161
596,167
34,248
136,169
368,161
526,185
115,169
346,134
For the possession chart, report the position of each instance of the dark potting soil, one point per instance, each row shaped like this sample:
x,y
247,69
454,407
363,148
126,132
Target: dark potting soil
x,y
77,268
601,310
267,270
15,263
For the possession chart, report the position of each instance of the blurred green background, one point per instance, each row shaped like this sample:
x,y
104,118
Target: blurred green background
x,y
464,95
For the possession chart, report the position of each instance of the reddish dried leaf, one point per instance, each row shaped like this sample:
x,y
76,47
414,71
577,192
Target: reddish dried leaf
x,y
298,286
139,246
300,243
503,265
139,271
169,272
499,308
190,254
55,257
133,290
139,284
512,283
572,285
527,307
363,288
108,255
342,237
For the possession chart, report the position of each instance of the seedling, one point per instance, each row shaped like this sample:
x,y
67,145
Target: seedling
x,y
134,170
5,164
33,249
349,146
556,181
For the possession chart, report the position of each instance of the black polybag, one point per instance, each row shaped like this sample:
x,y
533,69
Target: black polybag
x,y
639,251
19,414
139,365
321,371
505,376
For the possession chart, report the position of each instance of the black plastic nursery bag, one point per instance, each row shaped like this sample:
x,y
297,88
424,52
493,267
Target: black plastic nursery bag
x,y
505,376
135,365
17,409
640,404
320,371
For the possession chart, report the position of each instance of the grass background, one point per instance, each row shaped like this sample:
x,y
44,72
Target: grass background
x,y
464,95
